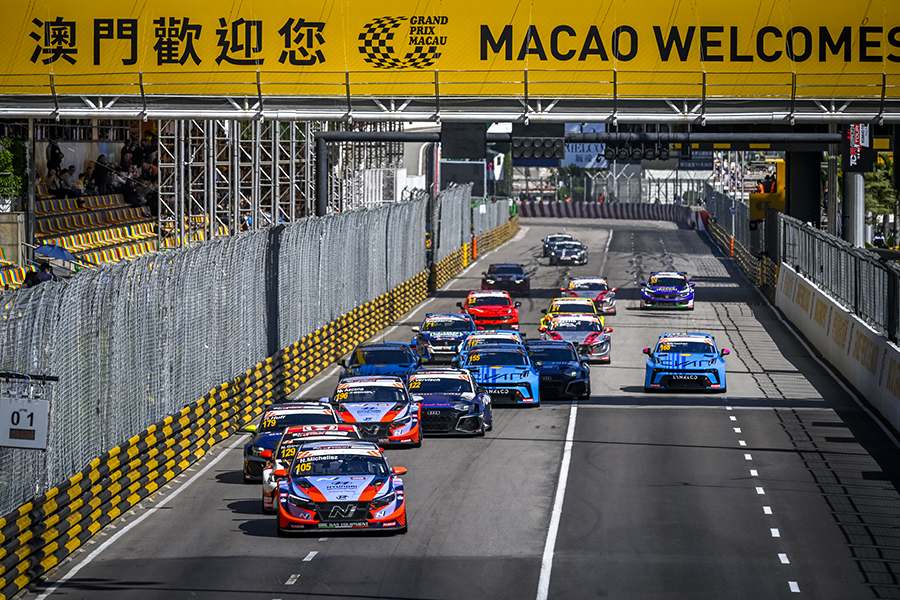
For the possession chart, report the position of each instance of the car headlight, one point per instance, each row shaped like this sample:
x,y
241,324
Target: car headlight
x,y
464,406
256,450
573,373
382,501
402,421
489,280
520,280
299,501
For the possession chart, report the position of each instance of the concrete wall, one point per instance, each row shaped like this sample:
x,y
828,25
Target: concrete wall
x,y
867,360
12,234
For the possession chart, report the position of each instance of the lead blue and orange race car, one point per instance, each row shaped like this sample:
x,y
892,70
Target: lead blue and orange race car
x,y
341,485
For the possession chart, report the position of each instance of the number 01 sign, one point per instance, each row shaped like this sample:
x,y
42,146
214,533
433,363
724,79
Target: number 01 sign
x,y
24,423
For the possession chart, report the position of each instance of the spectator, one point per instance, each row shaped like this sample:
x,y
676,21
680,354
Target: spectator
x,y
69,183
126,162
46,273
54,185
101,176
54,156
31,279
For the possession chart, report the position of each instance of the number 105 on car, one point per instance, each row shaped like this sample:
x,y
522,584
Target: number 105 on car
x,y
23,423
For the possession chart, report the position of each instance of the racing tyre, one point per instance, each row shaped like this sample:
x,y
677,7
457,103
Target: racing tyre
x,y
281,532
418,443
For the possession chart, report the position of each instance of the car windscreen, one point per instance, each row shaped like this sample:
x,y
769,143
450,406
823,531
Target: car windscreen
x,y
558,238
572,308
589,286
510,270
492,359
501,341
382,357
380,393
423,384
675,282
567,246
432,325
581,325
354,464
685,347
488,301
277,421
553,355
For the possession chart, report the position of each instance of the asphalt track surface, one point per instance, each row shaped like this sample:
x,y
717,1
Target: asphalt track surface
x,y
781,488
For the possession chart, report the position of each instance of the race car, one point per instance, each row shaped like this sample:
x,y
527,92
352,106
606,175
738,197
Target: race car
x,y
553,238
341,485
506,372
563,306
452,403
440,335
381,408
685,361
595,288
563,373
507,276
667,290
488,336
570,252
492,309
586,332
380,358
275,419
291,439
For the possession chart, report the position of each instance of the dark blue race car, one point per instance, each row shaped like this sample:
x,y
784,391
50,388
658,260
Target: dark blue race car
x,y
440,335
687,361
275,420
381,358
667,290
452,402
506,372
564,374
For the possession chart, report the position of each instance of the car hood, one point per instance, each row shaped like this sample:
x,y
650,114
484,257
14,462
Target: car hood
x,y
671,360
376,369
444,400
338,488
370,412
591,295
666,290
501,374
506,277
549,368
481,311
268,439
446,335
578,337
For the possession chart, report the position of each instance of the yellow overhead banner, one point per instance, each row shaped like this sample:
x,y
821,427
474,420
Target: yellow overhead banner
x,y
564,48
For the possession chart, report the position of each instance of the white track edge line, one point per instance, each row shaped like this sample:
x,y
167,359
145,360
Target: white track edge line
x,y
550,546
74,571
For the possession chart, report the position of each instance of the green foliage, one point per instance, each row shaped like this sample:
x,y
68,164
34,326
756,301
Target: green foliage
x,y
881,198
13,160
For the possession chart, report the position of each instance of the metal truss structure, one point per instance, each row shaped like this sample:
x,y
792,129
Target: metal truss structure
x,y
221,177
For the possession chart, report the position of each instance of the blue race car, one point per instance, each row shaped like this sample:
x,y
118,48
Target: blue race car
x,y
381,358
564,374
440,335
506,372
667,290
276,418
452,402
685,361
501,337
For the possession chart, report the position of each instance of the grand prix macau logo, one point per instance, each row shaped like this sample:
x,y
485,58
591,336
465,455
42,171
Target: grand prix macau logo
x,y
385,39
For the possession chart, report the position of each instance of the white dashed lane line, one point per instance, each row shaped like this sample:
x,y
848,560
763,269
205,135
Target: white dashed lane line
x,y
794,587
292,579
784,559
760,491
775,532
748,457
767,510
310,556
737,429
742,442
754,473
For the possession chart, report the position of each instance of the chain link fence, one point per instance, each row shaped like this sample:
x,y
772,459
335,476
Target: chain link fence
x,y
136,341
451,220
488,215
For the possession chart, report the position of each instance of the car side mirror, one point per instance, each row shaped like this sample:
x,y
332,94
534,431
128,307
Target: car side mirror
x,y
344,362
539,364
460,304
543,311
647,351
517,304
725,352
542,329
325,400
416,329
249,428
607,330
614,289
644,283
417,398
279,473
454,362
562,289
265,454
399,470
690,285
484,273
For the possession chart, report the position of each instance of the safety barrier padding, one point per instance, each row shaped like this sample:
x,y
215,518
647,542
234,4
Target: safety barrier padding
x,y
38,535
489,240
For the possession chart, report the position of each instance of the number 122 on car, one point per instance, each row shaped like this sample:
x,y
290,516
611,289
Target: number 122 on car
x,y
24,423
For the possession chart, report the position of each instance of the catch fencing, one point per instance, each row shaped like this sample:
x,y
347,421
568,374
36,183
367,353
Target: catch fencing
x,y
854,277
488,214
451,220
133,343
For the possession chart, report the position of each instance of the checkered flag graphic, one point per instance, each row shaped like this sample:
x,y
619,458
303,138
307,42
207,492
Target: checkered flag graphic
x,y
375,40
376,44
